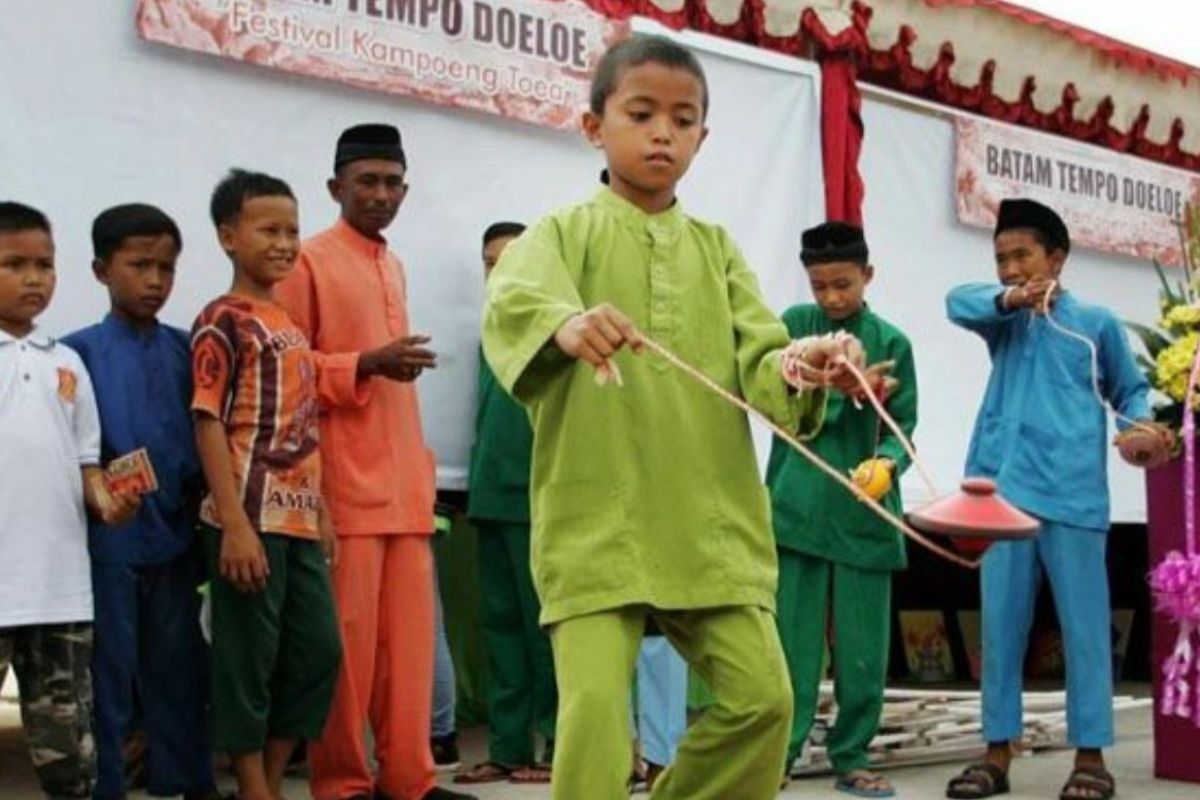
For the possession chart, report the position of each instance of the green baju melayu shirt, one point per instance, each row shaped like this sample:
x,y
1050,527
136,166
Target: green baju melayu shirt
x,y
650,493
811,513
498,486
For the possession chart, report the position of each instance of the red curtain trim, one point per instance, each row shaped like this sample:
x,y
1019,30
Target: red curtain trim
x,y
893,68
1125,54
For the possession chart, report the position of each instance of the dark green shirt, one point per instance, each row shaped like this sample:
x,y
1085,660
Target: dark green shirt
x,y
498,484
812,514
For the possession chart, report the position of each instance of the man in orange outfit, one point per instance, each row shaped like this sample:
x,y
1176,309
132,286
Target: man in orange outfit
x,y
347,294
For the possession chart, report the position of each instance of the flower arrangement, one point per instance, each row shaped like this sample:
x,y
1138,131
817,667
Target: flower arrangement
x,y
1171,345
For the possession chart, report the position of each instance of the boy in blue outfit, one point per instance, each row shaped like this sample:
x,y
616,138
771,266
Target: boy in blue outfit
x,y
145,573
1041,434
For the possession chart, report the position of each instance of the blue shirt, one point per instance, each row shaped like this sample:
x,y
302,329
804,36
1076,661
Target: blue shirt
x,y
1041,432
143,386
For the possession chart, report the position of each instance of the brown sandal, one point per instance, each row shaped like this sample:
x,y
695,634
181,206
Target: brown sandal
x,y
534,773
1089,783
485,772
978,780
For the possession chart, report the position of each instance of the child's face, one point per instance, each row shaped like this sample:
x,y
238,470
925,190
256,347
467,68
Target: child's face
x,y
652,127
139,276
26,278
370,192
1020,256
263,240
492,251
838,287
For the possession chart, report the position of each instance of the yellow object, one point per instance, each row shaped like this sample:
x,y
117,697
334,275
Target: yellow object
x,y
874,477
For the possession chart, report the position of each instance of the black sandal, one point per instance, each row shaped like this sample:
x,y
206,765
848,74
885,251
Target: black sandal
x,y
978,780
1096,783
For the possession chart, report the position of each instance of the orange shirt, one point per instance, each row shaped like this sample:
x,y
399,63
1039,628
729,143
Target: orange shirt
x,y
347,294
252,369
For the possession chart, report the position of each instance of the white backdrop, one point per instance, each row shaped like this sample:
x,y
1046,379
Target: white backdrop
x,y
93,117
920,250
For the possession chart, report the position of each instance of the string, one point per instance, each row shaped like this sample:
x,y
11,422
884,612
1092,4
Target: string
x,y
812,457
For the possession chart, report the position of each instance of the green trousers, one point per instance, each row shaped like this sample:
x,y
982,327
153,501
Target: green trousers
x,y
735,749
860,601
522,697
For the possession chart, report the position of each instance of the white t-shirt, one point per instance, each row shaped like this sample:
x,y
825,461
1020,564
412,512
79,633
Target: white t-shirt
x,y
49,430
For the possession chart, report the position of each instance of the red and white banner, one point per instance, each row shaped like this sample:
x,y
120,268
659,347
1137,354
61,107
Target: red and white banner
x,y
1110,202
526,59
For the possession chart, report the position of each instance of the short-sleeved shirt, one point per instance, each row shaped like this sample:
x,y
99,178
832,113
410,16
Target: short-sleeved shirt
x,y
143,384
253,370
49,431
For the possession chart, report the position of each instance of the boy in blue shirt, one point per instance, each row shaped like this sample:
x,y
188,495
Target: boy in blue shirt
x,y
1041,434
145,573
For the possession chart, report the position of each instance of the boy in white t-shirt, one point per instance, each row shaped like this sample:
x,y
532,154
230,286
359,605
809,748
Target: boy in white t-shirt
x,y
49,455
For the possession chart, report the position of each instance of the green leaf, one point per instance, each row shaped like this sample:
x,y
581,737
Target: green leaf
x,y
1153,340
1170,296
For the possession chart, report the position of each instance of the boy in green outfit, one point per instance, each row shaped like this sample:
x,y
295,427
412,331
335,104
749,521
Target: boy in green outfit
x,y
522,700
835,554
646,498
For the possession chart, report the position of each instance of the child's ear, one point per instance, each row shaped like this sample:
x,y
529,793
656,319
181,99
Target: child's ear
x,y
1057,257
100,270
225,236
590,125
868,274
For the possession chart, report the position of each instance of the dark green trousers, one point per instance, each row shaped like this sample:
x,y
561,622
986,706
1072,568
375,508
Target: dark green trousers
x,y
860,601
522,697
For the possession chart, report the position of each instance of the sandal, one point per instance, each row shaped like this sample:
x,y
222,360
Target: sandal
x,y
485,772
534,773
978,780
1089,783
864,783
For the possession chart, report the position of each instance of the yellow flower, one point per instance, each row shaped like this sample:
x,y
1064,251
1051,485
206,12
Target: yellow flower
x,y
1181,317
1173,366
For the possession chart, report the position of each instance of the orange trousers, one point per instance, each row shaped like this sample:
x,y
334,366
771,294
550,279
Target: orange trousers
x,y
383,588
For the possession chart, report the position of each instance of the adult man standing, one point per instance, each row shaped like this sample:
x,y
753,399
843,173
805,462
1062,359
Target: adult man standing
x,y
347,293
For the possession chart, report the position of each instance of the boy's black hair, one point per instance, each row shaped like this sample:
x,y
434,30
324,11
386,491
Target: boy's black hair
x,y
500,230
17,217
239,186
113,226
639,49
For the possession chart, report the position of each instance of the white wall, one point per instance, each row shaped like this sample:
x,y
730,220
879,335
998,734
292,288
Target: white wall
x,y
93,117
920,250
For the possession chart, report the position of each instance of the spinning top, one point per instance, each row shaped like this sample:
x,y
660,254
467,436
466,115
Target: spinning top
x,y
1145,448
873,477
974,517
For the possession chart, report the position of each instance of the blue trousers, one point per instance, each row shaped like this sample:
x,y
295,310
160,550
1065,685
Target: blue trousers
x,y
1073,560
444,695
148,648
662,676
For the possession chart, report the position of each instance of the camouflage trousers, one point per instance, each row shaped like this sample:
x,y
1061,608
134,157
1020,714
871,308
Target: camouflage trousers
x,y
51,665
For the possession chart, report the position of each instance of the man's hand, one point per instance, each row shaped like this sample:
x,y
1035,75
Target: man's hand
x,y
401,360
595,335
329,542
243,557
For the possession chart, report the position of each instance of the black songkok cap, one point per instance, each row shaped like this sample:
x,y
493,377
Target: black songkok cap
x,y
369,141
1023,213
831,242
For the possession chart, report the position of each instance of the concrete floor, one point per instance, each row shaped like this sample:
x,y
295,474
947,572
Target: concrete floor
x,y
1035,777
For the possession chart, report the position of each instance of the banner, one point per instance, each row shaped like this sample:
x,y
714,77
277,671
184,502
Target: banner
x,y
525,59
1111,202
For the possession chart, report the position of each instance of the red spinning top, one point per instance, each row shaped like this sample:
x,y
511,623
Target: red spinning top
x,y
974,517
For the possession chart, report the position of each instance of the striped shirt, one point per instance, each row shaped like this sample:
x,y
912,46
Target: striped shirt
x,y
253,370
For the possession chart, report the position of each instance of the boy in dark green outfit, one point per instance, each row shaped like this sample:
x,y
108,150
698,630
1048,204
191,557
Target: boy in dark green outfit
x,y
835,555
522,698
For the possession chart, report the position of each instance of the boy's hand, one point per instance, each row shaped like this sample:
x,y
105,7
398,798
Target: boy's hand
x,y
595,335
329,542
1146,445
243,558
1033,293
401,360
110,507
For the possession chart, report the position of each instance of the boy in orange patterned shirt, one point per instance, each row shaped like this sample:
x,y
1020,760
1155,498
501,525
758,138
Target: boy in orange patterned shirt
x,y
275,639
